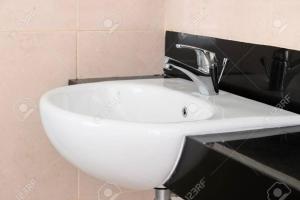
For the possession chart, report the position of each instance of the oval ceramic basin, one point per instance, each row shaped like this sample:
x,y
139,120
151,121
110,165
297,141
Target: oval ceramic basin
x,y
131,133
129,102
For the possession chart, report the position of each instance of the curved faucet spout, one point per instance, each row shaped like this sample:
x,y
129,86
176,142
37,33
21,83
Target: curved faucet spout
x,y
201,82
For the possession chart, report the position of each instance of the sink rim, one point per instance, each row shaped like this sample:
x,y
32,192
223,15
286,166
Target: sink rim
x,y
45,100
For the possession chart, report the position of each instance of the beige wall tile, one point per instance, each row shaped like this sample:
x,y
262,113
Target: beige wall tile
x,y
30,64
120,53
271,22
93,189
285,30
59,182
121,14
37,14
89,187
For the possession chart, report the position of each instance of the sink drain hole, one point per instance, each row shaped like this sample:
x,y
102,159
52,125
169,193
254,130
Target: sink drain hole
x,y
184,112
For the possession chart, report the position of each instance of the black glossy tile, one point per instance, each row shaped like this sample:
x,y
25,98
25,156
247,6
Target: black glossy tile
x,y
249,70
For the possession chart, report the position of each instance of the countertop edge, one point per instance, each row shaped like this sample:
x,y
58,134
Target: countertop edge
x,y
247,134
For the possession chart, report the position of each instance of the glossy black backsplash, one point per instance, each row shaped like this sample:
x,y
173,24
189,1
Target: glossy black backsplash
x,y
263,73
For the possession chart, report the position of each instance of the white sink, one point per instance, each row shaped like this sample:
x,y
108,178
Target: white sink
x,y
131,133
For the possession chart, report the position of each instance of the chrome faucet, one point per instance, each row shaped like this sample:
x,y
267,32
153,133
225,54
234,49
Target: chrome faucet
x,y
205,75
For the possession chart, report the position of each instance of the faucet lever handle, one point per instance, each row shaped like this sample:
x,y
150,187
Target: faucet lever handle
x,y
205,59
183,46
224,64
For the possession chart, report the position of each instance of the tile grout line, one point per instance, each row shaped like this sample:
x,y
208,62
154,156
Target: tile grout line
x,y
77,75
78,184
77,30
77,36
76,56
